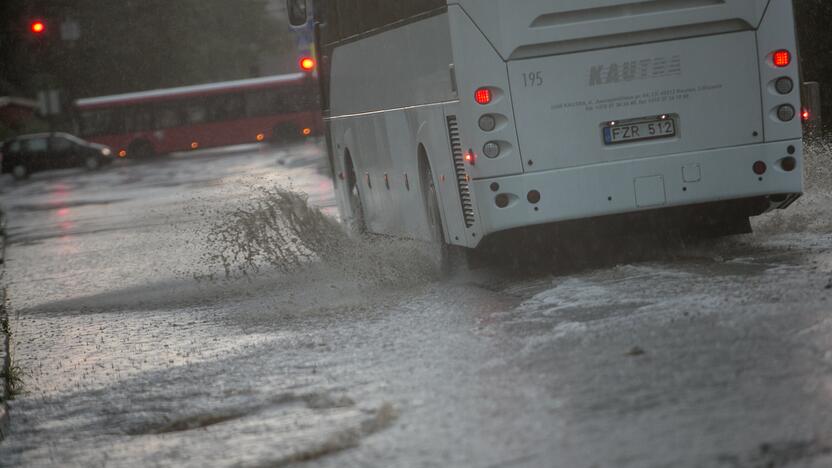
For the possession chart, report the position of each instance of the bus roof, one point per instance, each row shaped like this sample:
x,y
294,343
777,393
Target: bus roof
x,y
186,91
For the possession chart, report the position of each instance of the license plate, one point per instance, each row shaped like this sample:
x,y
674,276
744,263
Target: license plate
x,y
637,131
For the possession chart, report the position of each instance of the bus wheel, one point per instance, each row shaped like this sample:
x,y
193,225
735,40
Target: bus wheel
x,y
357,223
141,149
20,172
440,252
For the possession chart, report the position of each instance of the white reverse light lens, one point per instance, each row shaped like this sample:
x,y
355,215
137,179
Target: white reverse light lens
x,y
491,150
784,85
786,113
106,151
488,123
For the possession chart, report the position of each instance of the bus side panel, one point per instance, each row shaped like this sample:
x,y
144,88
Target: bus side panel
x,y
406,66
384,148
381,116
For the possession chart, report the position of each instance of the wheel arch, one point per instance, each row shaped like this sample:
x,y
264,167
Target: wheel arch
x,y
424,165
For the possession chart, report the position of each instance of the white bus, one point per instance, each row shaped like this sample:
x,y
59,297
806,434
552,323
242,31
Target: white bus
x,y
454,120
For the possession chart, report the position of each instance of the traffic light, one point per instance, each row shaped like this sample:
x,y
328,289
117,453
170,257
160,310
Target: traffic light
x,y
307,64
37,27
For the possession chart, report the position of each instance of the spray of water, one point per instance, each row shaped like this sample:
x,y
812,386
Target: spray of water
x,y
813,211
278,230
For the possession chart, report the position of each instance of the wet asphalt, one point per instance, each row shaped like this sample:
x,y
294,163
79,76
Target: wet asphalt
x,y
139,351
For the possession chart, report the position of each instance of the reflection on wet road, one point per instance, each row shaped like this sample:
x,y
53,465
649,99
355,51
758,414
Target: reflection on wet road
x,y
139,351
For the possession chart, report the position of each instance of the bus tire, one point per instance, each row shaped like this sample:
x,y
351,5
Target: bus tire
x,y
141,149
20,172
441,254
356,223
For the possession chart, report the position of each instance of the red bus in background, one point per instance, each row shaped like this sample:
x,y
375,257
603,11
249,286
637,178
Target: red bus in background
x,y
276,108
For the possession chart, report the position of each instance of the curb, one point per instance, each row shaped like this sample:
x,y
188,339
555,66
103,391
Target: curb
x,y
5,358
4,367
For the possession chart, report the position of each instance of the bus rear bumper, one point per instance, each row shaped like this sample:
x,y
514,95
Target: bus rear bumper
x,y
639,185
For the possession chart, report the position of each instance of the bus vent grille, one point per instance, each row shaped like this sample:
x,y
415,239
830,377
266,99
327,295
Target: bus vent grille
x,y
461,176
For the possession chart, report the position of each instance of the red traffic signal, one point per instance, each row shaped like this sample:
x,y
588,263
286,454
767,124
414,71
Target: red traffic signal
x,y
37,27
307,64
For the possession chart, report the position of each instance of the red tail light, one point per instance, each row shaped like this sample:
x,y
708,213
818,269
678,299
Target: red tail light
x,y
782,58
483,96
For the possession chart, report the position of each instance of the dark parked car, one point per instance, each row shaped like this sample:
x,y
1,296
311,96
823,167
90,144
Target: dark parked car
x,y
25,154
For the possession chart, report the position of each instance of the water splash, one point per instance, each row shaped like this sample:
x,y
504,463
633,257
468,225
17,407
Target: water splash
x,y
818,156
279,230
813,211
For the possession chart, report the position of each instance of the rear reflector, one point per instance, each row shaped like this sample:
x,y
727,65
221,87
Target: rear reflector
x,y
782,58
760,168
788,164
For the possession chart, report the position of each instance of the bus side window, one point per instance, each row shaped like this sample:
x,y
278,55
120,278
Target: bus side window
x,y
168,117
95,122
262,102
429,5
370,16
227,106
195,112
89,123
350,21
327,16
417,7
390,12
138,119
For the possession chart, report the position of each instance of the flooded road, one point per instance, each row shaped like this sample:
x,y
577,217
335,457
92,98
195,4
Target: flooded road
x,y
148,338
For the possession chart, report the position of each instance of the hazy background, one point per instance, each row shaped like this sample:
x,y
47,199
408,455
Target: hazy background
x,y
95,47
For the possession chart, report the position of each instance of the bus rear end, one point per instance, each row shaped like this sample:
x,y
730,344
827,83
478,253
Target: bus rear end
x,y
581,109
